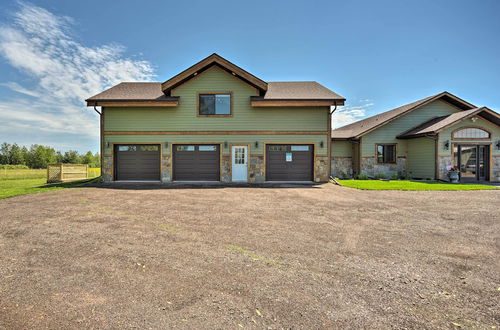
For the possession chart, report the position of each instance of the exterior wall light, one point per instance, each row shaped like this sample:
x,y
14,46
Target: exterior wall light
x,y
108,144
447,145
321,144
256,144
498,144
166,145
225,144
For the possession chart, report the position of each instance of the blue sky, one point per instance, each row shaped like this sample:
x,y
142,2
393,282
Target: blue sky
x,y
378,54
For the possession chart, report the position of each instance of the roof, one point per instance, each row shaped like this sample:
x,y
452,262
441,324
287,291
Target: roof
x,y
287,93
361,127
207,63
435,125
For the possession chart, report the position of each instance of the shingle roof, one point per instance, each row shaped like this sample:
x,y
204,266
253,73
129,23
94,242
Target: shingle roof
x,y
132,91
299,90
437,124
357,129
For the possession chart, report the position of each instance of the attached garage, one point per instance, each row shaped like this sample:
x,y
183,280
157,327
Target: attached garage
x,y
137,162
196,162
285,162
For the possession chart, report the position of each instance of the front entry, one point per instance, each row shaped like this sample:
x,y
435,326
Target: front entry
x,y
473,162
239,164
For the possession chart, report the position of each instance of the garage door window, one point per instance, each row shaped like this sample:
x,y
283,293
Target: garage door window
x,y
185,148
127,148
277,148
149,148
300,148
207,148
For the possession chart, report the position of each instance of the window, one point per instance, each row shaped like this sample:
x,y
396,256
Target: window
x,y
471,133
277,148
206,148
215,104
386,153
149,148
185,148
127,148
239,156
300,148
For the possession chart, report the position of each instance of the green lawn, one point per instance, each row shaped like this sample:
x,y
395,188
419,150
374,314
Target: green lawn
x,y
21,182
410,185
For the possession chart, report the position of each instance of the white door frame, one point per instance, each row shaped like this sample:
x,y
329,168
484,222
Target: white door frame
x,y
239,172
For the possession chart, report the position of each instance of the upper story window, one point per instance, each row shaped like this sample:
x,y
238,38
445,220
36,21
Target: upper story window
x,y
215,104
471,133
386,153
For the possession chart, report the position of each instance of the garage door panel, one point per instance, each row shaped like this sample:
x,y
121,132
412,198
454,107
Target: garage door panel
x,y
300,168
196,162
137,162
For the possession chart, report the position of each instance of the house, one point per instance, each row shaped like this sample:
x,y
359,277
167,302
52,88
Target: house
x,y
216,122
421,140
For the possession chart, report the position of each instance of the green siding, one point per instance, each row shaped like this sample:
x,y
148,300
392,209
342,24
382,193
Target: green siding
x,y
245,118
230,139
341,149
421,159
489,126
388,132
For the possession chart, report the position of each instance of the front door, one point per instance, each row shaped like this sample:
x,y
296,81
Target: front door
x,y
473,161
239,155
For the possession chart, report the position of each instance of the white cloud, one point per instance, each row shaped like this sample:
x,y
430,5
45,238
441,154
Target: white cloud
x,y
350,113
64,74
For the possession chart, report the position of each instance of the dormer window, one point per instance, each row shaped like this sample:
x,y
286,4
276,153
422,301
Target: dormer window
x,y
214,104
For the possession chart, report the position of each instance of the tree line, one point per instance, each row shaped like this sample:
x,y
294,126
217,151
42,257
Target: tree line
x,y
38,156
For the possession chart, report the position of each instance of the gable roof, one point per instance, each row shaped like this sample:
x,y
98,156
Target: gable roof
x,y
362,127
272,94
435,125
207,63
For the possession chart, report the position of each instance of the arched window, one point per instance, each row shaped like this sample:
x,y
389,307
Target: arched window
x,y
471,133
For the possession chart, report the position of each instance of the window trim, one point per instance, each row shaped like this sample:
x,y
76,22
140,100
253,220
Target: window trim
x,y
470,139
198,114
387,144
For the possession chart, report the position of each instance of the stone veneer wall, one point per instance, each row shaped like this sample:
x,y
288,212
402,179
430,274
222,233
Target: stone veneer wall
x,y
342,167
443,163
321,169
107,169
256,169
495,168
225,168
370,167
166,175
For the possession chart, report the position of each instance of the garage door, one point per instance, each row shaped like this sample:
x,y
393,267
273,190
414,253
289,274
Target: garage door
x,y
137,162
196,162
286,162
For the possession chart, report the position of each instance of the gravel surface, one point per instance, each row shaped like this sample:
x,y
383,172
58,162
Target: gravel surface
x,y
236,257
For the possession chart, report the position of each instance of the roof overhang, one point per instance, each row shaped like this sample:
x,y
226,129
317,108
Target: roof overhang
x,y
172,102
257,101
210,61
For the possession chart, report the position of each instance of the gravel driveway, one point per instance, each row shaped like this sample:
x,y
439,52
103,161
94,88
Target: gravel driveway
x,y
232,258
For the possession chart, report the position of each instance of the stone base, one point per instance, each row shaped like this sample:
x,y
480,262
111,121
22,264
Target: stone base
x,y
495,168
443,163
342,167
256,169
321,169
370,167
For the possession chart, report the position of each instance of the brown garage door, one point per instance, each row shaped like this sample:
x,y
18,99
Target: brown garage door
x,y
286,162
137,162
196,162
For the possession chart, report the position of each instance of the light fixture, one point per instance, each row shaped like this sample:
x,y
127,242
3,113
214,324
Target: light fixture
x,y
166,144
321,144
225,144
446,144
498,144
256,144
107,144
474,119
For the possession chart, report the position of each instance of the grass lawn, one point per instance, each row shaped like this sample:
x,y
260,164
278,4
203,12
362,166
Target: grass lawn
x,y
410,185
21,182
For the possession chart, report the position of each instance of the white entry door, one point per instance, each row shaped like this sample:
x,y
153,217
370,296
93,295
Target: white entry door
x,y
240,163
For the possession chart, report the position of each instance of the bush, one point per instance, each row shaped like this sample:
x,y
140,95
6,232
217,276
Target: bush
x,y
363,176
380,176
394,176
13,167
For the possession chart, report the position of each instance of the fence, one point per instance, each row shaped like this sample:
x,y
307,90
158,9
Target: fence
x,y
66,172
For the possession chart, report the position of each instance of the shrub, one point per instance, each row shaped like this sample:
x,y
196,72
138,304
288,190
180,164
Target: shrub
x,y
363,176
395,176
13,167
380,176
